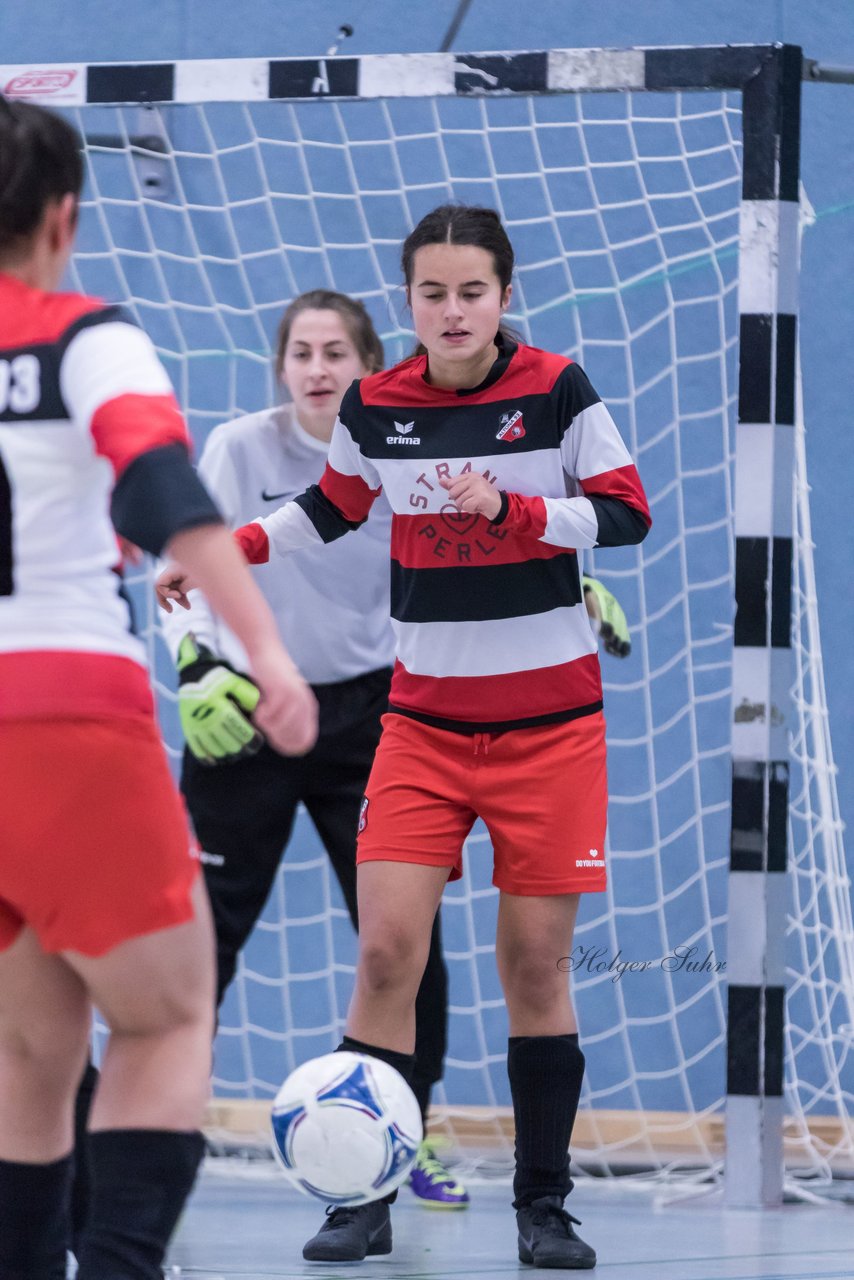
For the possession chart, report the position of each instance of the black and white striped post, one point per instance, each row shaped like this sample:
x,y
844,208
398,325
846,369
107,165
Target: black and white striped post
x,y
768,283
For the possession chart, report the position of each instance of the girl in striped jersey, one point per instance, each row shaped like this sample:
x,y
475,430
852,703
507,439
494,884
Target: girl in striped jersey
x,y
100,897
499,462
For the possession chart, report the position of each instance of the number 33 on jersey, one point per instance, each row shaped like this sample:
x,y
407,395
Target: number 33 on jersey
x,y
82,396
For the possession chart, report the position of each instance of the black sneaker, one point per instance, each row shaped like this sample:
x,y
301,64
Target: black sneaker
x,y
547,1238
350,1235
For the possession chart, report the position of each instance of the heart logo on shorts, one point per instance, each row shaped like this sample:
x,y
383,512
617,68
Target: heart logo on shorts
x,y
459,522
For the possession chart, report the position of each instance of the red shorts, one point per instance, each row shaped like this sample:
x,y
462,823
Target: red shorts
x,y
94,843
542,793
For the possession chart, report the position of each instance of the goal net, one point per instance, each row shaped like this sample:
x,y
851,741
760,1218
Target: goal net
x,y
205,219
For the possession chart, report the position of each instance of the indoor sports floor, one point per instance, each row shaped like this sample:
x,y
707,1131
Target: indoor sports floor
x,y
241,1227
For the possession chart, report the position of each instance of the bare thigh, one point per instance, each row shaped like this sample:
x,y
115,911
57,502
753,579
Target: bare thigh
x,y
157,981
157,996
534,935
45,1017
398,902
397,906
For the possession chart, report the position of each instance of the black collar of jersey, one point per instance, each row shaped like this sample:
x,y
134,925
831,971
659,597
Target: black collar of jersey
x,y
506,350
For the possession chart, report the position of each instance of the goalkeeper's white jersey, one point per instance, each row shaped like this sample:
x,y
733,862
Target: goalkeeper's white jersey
x,y
331,603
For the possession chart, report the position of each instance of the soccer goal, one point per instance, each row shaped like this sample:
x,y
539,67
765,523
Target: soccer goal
x,y
652,197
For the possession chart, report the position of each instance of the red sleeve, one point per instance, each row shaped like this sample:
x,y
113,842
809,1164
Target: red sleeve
x,y
253,542
623,483
352,495
525,515
132,424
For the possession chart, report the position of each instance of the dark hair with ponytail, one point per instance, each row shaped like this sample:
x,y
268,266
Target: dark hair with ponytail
x,y
462,224
39,162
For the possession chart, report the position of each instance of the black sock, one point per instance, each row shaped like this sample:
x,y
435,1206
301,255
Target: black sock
x,y
34,1219
140,1181
545,1083
82,1184
402,1062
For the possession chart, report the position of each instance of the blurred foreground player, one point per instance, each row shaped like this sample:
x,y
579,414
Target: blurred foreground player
x,y
100,900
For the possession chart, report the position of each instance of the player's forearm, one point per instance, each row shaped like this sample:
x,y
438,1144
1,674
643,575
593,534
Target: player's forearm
x,y
215,565
580,523
286,530
562,522
307,521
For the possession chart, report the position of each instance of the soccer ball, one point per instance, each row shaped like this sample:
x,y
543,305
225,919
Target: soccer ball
x,y
346,1128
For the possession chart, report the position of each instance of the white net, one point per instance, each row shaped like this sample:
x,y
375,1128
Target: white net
x,y
820,950
624,212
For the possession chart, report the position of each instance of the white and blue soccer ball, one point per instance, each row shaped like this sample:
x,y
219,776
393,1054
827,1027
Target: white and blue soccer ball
x,y
346,1128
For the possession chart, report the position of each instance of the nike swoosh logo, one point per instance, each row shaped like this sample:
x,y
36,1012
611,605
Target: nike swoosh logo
x,y
271,497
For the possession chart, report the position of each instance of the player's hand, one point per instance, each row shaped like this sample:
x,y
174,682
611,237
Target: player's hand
x,y
473,493
215,704
173,585
287,712
607,615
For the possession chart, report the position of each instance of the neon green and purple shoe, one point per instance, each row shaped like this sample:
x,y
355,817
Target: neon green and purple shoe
x,y
433,1184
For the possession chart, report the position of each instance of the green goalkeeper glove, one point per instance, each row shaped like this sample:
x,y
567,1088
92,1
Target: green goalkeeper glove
x,y
605,610
215,703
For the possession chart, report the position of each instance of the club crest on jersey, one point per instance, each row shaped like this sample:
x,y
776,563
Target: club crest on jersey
x,y
512,427
404,434
363,815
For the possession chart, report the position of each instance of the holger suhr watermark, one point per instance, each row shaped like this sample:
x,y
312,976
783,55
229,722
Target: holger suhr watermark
x,y
598,960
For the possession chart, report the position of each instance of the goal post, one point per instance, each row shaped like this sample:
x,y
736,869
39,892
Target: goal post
x,y
762,669
652,196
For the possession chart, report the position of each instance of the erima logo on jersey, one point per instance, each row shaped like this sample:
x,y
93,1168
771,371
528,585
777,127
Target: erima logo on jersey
x,y
403,428
512,427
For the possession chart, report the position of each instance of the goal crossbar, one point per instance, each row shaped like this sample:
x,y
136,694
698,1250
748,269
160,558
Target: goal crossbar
x,y
388,75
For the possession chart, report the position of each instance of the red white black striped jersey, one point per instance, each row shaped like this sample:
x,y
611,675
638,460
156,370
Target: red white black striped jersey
x,y
91,442
492,632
